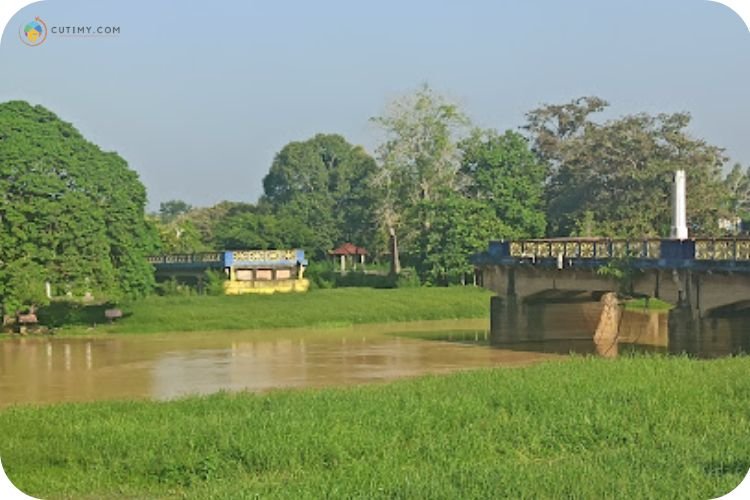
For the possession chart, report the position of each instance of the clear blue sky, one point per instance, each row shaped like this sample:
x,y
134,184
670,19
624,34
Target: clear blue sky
x,y
199,99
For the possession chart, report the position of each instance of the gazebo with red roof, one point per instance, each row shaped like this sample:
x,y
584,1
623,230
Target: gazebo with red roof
x,y
348,251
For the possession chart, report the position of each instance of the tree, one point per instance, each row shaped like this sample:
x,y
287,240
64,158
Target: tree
x,y
551,125
23,286
737,184
263,231
615,178
418,165
322,183
69,212
205,220
170,210
502,172
460,226
179,236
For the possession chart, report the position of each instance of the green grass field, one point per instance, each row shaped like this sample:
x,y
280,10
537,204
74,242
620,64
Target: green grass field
x,y
642,427
318,308
315,309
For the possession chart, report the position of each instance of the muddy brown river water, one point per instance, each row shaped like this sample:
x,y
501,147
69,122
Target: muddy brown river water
x,y
43,370
49,370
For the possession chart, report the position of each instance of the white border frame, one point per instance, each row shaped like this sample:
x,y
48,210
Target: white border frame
x,y
10,8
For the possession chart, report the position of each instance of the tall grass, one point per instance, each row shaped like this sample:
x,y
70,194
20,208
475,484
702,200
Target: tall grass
x,y
644,427
316,308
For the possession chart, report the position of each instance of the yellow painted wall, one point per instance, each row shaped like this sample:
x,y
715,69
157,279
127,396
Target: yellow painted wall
x,y
267,287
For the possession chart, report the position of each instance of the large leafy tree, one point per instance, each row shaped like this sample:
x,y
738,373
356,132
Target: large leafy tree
x,y
614,178
502,172
498,194
322,183
460,226
70,213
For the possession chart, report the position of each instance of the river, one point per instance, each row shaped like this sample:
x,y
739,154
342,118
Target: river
x,y
50,370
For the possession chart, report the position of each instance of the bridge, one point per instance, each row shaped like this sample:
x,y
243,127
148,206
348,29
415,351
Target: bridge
x,y
704,278
247,271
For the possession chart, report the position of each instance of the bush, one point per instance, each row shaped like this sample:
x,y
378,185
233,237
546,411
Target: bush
x,y
172,287
408,278
215,282
320,274
71,312
324,275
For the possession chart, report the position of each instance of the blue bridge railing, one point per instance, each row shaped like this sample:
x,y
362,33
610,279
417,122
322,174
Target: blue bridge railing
x,y
703,253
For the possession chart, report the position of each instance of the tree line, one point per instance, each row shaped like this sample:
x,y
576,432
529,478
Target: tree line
x,y
438,188
435,190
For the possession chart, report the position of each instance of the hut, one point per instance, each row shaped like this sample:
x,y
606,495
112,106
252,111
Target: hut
x,y
349,253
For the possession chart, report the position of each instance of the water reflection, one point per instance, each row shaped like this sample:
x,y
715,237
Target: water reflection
x,y
586,328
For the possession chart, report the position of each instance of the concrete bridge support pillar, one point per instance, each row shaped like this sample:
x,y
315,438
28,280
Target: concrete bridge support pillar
x,y
505,316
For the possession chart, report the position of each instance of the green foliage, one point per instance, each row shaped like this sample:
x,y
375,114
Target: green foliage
x,y
215,282
418,163
321,274
503,173
174,288
324,275
648,304
71,212
500,196
170,210
447,197
616,176
737,184
320,187
459,227
250,227
179,235
408,278
622,271
23,287
68,313
582,428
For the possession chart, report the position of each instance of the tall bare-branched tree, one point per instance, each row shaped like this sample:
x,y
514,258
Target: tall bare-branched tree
x,y
417,163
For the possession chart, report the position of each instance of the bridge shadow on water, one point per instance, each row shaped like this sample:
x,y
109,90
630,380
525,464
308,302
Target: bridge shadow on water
x,y
576,327
586,328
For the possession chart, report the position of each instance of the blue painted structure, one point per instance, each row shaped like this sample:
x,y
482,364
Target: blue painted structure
x,y
702,254
228,258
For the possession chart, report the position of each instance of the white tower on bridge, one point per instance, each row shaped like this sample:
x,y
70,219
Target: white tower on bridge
x,y
679,229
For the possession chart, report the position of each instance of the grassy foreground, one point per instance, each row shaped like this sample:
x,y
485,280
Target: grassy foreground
x,y
630,428
318,308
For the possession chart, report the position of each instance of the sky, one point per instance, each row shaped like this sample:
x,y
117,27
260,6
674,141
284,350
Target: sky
x,y
199,99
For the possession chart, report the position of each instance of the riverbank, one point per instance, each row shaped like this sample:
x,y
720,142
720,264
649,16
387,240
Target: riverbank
x,y
635,427
315,309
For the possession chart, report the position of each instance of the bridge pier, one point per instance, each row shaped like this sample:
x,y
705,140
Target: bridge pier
x,y
703,279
